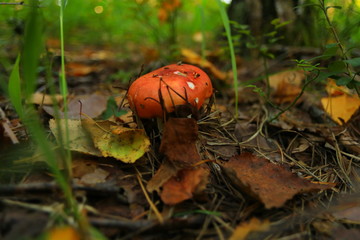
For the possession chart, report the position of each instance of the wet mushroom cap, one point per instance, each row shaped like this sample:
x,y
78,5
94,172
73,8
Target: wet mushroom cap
x,y
178,84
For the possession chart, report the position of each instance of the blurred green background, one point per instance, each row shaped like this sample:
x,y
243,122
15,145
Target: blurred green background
x,y
141,29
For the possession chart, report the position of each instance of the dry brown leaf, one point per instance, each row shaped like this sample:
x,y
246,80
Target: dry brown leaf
x,y
272,184
97,176
292,77
179,147
286,85
184,185
80,167
341,107
166,171
80,69
245,228
179,142
192,57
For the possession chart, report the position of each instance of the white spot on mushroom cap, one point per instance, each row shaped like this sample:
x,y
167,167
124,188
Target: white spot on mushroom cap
x,y
180,73
191,85
197,100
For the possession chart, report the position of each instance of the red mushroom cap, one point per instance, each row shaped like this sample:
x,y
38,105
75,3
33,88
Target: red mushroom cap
x,y
176,83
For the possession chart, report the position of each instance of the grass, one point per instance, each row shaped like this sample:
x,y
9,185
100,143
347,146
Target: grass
x,y
21,87
226,23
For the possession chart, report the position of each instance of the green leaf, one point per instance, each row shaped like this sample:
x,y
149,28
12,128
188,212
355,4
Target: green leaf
x,y
14,88
343,81
330,50
355,62
112,109
323,76
33,45
337,66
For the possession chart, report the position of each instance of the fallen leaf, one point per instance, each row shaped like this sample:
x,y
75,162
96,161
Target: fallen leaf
x,y
349,138
286,85
166,171
334,90
179,142
81,167
92,105
184,185
65,232
245,228
124,144
341,107
45,99
272,184
98,176
293,77
79,139
192,57
80,69
179,148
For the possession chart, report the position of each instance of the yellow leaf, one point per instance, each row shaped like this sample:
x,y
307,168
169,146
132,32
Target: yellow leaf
x,y
334,90
194,58
124,144
341,107
245,228
79,139
61,233
45,99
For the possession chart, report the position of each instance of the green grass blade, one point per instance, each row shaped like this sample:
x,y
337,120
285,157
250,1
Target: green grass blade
x,y
33,46
14,88
226,24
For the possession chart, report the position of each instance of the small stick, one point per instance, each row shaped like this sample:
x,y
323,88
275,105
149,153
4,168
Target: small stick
x,y
6,125
152,205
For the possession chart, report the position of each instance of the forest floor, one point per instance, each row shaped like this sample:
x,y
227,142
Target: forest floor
x,y
212,176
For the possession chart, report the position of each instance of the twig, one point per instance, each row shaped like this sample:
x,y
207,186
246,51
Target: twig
x,y
6,125
296,99
152,205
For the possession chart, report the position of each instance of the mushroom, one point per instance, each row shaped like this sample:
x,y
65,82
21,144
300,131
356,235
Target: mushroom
x,y
167,87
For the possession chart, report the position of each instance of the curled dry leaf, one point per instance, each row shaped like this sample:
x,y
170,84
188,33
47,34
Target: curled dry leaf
x,y
192,57
184,185
272,184
124,144
286,85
